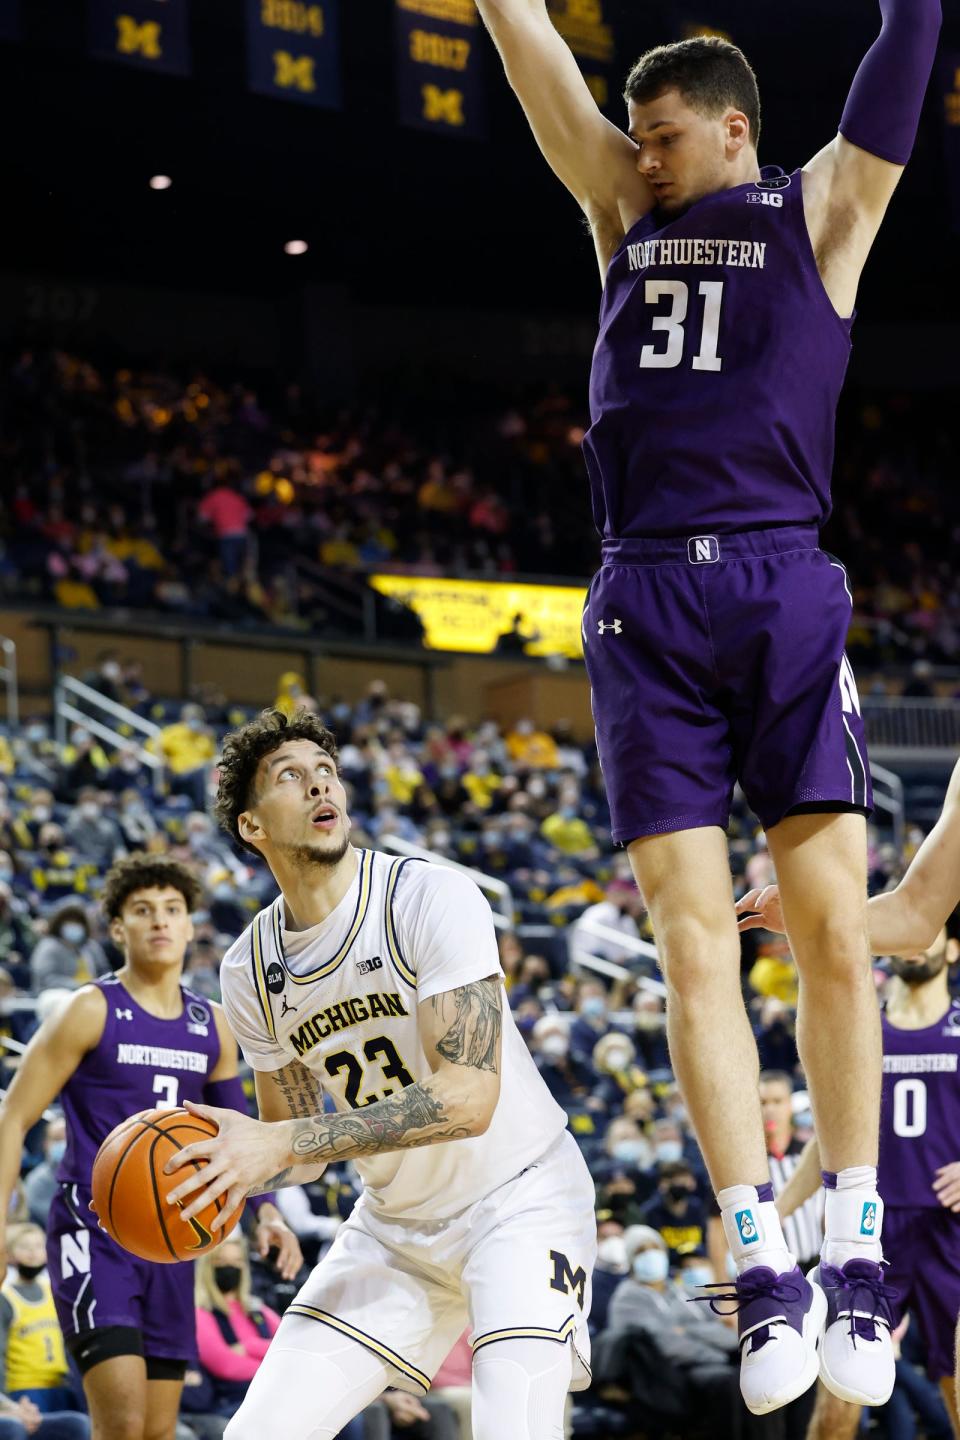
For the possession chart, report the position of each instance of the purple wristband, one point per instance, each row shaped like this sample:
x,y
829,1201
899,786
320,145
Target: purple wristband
x,y
255,1201
882,112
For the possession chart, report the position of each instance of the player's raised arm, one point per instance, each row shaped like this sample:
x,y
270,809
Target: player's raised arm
x,y
596,161
849,184
48,1062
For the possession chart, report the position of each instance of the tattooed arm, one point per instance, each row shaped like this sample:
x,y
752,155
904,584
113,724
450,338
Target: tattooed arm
x,y
460,1034
291,1093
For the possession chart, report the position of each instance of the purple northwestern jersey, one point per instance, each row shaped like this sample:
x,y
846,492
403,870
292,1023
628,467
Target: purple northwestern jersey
x,y
141,1063
920,1109
717,371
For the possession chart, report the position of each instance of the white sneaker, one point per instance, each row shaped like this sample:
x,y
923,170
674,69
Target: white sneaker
x,y
780,1320
857,1362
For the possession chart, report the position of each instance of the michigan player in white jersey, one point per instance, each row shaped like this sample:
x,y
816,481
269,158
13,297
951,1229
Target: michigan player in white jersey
x,y
376,982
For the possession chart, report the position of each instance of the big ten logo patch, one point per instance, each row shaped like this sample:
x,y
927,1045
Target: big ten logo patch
x,y
565,1279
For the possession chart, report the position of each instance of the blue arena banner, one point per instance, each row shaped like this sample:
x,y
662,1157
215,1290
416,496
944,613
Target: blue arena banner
x,y
151,34
9,19
586,27
440,67
293,50
949,74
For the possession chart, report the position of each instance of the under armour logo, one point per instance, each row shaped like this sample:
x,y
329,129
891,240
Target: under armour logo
x,y
124,1014
615,625
286,1007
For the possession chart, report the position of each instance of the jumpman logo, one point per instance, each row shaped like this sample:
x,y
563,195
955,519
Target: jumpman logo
x,y
615,625
286,1007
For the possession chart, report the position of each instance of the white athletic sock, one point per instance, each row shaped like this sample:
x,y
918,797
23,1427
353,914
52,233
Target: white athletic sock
x,y
752,1227
854,1216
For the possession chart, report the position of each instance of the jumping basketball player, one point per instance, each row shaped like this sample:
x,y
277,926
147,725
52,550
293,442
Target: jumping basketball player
x,y
714,631
377,981
919,1172
137,1040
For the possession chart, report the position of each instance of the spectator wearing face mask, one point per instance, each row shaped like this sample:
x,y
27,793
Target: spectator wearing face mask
x,y
67,956
57,871
650,1031
618,911
36,1377
30,821
609,1270
187,749
592,1019
570,1080
137,824
41,1184
626,1150
233,1328
614,1060
85,763
776,1036
688,1340
567,831
531,749
676,1211
91,833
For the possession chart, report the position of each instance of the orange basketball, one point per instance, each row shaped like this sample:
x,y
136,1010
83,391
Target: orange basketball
x,y
130,1189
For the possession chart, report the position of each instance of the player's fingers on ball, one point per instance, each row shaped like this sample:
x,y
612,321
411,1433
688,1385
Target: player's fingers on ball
x,y
199,1150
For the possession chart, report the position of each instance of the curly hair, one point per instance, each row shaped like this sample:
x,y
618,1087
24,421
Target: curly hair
x,y
147,872
243,750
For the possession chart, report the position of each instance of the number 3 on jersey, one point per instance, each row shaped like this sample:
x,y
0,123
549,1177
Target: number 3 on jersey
x,y
672,324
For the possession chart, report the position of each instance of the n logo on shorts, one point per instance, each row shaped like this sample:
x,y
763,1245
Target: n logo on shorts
x,y
565,1279
75,1254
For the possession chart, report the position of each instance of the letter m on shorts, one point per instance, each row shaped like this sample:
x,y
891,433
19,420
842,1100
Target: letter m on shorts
x,y
565,1279
75,1254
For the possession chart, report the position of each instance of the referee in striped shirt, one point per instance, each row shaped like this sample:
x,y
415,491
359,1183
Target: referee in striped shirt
x,y
803,1229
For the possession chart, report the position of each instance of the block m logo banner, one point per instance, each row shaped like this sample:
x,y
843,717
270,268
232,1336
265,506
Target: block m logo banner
x,y
151,34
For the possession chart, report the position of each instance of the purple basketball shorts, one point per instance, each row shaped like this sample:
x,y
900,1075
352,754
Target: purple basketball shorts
x,y
923,1250
97,1283
720,659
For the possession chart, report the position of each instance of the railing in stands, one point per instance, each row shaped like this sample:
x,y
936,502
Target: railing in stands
x,y
888,797
923,726
65,711
8,674
502,902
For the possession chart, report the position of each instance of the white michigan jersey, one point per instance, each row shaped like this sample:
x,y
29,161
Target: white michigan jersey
x,y
342,998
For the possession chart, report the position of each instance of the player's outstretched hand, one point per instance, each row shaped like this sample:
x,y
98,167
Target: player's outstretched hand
x,y
241,1157
946,1185
760,910
273,1233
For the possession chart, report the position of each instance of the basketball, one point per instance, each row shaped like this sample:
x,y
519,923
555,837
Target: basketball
x,y
130,1189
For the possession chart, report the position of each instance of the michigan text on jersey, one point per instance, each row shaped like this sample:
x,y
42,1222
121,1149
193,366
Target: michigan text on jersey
x,y
340,1017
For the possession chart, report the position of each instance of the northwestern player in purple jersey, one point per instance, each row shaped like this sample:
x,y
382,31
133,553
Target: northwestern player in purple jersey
x,y
904,921
919,1171
714,631
137,1040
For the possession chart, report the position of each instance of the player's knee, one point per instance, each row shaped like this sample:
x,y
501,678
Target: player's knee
x,y
525,1380
692,956
834,948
